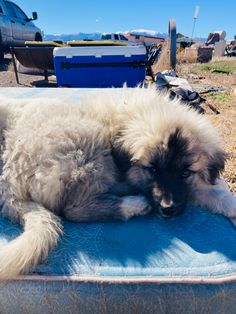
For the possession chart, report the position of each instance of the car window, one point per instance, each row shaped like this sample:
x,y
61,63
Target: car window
x,y
106,37
116,37
10,9
1,11
123,37
19,13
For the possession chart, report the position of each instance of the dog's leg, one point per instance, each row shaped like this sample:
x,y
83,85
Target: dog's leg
x,y
217,198
108,207
122,189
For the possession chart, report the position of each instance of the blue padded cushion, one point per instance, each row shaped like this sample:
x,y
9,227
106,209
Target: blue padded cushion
x,y
197,243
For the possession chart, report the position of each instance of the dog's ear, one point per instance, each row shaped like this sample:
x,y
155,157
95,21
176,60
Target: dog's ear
x,y
215,166
121,158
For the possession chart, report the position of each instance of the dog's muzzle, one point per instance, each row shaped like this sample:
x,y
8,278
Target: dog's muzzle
x,y
171,211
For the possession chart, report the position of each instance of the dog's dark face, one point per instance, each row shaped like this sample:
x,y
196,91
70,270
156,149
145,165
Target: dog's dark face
x,y
167,178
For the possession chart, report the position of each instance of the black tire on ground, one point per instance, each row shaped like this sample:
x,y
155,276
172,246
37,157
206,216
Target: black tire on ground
x,y
172,43
38,37
1,50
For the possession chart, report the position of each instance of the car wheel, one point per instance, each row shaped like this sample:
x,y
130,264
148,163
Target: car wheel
x,y
38,37
1,51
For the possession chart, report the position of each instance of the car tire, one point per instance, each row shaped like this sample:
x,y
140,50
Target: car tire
x,y
1,51
38,37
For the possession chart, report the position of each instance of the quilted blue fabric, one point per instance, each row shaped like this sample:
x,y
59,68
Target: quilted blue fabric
x,y
197,243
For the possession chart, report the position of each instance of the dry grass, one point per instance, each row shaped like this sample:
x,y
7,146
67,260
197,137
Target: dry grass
x,y
182,57
224,102
163,62
226,122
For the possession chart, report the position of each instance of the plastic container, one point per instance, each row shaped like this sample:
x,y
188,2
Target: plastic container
x,y
105,66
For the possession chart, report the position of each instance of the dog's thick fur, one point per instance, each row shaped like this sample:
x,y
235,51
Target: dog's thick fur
x,y
83,161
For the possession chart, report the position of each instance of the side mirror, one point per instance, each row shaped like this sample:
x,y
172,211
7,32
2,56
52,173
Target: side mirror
x,y
34,16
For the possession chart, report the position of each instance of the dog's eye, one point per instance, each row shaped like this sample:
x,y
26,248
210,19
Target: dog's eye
x,y
151,170
186,173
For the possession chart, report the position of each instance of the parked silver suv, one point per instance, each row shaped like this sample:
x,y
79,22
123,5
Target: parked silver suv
x,y
16,27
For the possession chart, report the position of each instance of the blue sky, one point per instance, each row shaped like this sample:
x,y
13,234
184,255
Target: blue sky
x,y
73,16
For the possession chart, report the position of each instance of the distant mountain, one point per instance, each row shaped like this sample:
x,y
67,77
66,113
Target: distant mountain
x,y
77,36
148,32
96,36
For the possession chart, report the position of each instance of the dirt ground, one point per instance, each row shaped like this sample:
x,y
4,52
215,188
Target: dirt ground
x,y
7,77
223,102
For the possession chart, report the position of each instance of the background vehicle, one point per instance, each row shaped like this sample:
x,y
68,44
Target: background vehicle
x,y
114,37
118,37
16,27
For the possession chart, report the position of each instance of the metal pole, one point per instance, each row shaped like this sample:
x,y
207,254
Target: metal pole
x,y
14,64
194,23
196,12
172,43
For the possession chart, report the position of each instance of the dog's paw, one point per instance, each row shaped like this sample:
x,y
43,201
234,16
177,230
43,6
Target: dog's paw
x,y
134,206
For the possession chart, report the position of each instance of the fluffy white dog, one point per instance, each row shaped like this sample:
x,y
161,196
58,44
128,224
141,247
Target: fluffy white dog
x,y
112,156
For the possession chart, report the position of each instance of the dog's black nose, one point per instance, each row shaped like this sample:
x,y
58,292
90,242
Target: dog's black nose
x,y
172,211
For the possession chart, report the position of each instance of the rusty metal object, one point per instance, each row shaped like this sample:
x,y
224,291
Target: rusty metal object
x,y
33,57
14,65
199,54
153,53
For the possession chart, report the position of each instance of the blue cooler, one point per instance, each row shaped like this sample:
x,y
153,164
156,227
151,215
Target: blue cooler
x,y
105,66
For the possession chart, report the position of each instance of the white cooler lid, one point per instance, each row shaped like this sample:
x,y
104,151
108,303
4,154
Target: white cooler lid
x,y
99,51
